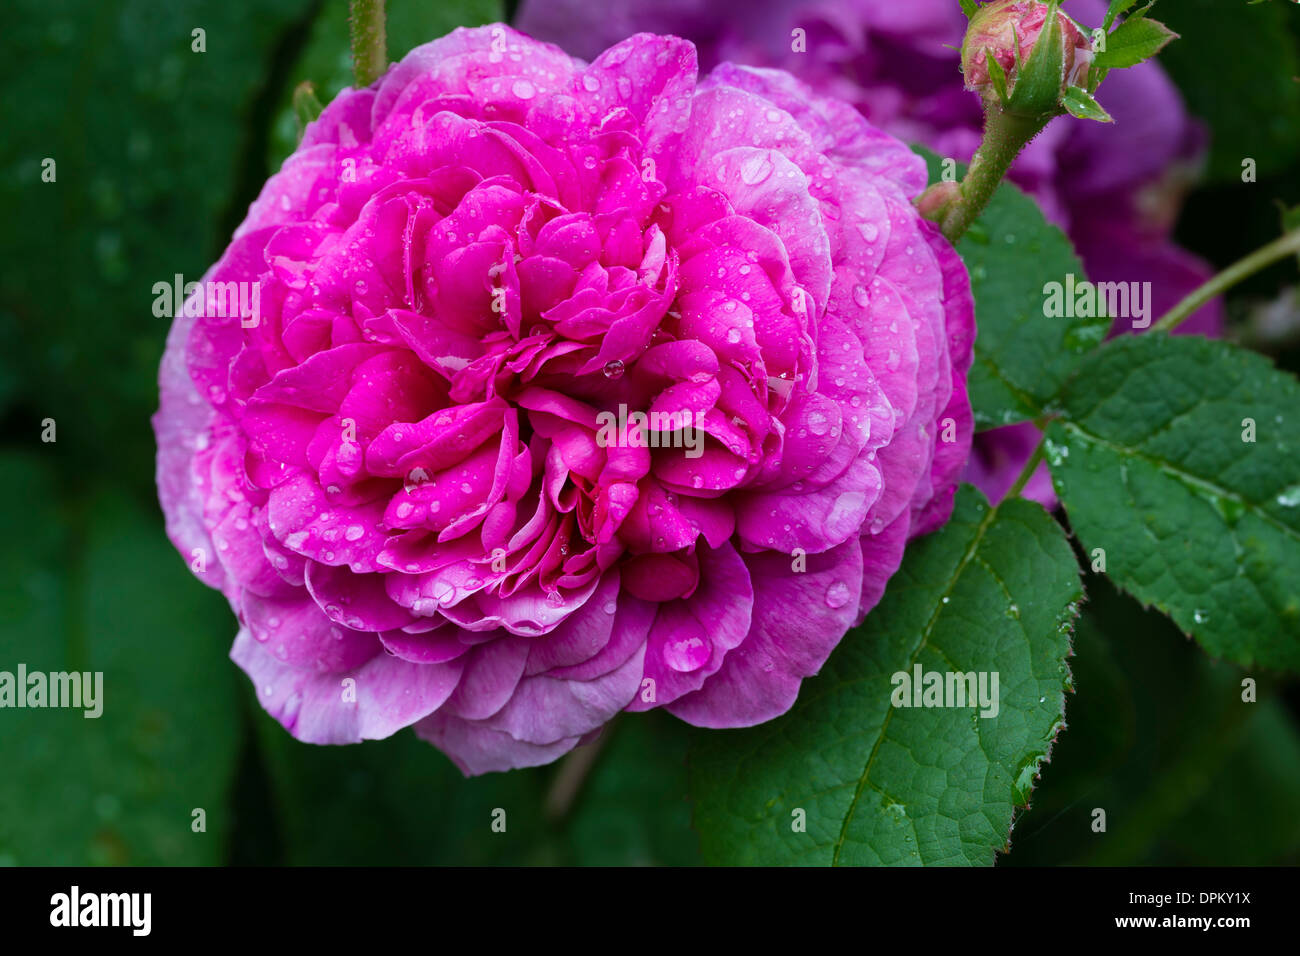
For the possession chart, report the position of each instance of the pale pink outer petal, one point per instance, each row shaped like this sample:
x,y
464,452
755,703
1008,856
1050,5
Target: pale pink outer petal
x,y
389,694
183,425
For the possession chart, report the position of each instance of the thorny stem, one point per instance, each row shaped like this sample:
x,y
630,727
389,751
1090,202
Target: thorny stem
x,y
369,43
1005,135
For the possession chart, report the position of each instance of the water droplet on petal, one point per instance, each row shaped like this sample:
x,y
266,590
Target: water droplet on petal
x,y
818,423
755,169
687,650
837,595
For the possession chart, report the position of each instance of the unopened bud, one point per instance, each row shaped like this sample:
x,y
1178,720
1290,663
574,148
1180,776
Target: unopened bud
x,y
1015,56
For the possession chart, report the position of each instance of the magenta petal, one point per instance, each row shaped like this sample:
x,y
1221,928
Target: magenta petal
x,y
298,633
714,619
799,618
582,635
492,673
359,601
477,749
545,709
435,646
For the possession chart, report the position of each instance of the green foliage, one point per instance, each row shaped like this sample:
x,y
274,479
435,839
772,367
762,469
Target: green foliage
x,y
1116,9
1176,456
996,591
95,586
150,141
1235,66
1135,40
1080,104
1187,772
1021,358
400,801
326,58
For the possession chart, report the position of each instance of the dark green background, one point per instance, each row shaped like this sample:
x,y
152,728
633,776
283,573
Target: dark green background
x,y
159,151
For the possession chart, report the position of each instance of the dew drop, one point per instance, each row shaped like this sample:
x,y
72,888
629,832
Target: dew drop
x,y
755,169
687,650
837,595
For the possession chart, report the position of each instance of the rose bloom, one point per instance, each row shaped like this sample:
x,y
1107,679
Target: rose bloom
x,y
399,475
1116,189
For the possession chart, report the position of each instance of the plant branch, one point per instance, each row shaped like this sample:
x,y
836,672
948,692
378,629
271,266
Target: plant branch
x,y
369,43
1005,135
1027,472
1257,261
571,775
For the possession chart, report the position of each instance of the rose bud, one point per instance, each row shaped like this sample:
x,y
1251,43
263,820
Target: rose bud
x,y
1004,61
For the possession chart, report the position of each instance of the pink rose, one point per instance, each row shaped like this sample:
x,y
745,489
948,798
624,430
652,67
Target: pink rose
x,y
420,475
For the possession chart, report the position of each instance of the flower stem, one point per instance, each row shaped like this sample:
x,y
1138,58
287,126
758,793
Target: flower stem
x,y
1027,472
572,774
369,43
1005,135
1257,261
